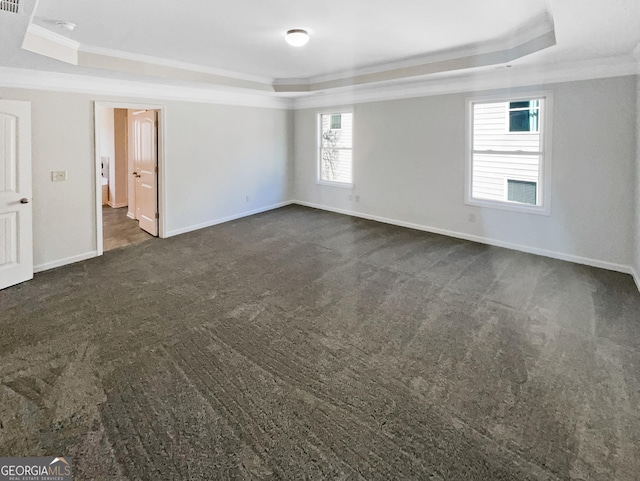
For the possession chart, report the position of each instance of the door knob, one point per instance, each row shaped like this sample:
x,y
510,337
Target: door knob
x,y
24,200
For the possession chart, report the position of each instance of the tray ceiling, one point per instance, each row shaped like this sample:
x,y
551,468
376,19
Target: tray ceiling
x,y
241,44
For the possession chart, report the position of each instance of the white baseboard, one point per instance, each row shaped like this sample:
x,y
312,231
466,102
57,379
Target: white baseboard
x,y
210,223
483,240
130,215
63,262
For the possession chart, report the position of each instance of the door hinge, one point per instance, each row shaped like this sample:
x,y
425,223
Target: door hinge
x,y
157,215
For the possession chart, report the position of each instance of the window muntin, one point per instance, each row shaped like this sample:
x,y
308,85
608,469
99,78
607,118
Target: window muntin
x,y
507,143
524,116
335,156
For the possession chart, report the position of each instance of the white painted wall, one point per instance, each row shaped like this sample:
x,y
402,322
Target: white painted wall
x,y
106,133
409,160
219,155
409,167
214,157
637,188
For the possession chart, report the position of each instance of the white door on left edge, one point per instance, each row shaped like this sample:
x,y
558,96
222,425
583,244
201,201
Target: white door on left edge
x,y
16,230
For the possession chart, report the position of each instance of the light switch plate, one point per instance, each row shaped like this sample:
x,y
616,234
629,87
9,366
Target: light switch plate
x,y
58,175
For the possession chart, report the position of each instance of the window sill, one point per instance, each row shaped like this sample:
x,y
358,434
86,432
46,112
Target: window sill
x,y
513,207
342,185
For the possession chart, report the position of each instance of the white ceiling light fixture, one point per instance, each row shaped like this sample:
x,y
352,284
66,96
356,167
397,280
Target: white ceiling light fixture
x,y
61,24
66,25
297,37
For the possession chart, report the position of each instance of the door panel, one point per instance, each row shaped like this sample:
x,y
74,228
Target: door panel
x,y
145,147
8,238
9,124
16,230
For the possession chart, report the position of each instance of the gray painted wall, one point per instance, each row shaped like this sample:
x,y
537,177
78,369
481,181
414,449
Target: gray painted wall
x,y
637,189
409,160
218,155
409,165
214,157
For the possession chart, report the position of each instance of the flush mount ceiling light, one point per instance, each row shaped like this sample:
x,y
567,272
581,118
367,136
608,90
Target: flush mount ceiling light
x,y
66,25
297,37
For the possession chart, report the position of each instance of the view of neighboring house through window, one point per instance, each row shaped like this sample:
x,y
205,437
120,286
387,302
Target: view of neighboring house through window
x,y
523,116
335,156
507,153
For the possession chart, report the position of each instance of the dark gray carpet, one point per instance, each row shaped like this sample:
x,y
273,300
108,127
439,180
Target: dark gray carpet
x,y
300,344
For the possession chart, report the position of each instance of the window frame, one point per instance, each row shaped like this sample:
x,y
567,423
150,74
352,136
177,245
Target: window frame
x,y
545,132
507,126
319,180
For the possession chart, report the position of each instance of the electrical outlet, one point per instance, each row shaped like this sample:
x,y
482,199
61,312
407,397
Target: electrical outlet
x,y
472,218
58,175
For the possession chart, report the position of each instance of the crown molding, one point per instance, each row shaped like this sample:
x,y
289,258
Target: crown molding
x,y
42,41
176,64
537,34
540,27
468,81
474,80
52,36
449,66
103,87
126,65
50,44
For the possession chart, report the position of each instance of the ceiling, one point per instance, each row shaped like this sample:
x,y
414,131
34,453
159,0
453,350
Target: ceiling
x,y
241,44
247,36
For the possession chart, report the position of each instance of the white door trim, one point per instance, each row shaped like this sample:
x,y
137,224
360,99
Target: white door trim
x,y
97,166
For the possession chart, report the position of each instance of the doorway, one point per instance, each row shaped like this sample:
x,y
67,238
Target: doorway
x,y
128,146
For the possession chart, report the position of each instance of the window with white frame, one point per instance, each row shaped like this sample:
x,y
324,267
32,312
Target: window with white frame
x,y
524,115
335,148
508,159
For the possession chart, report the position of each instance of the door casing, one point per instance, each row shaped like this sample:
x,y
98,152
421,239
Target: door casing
x,y
160,109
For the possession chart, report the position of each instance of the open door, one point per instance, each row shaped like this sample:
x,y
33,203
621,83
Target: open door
x,y
145,163
16,230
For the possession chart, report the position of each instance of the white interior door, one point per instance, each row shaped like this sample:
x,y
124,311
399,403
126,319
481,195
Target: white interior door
x,y
145,159
16,230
